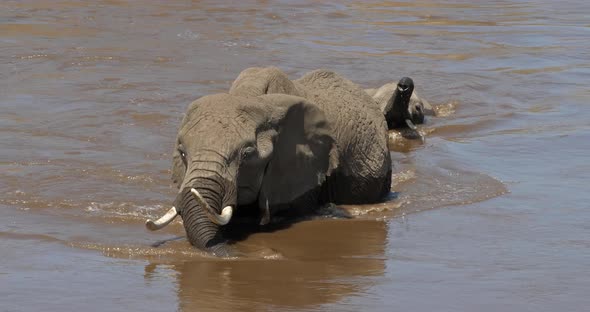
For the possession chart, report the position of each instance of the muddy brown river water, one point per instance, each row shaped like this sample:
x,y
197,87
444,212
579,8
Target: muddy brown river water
x,y
490,213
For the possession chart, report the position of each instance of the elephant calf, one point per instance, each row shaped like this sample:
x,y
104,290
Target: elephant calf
x,y
390,99
276,145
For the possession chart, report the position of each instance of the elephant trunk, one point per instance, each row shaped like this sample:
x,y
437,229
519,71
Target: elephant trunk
x,y
200,231
200,204
399,115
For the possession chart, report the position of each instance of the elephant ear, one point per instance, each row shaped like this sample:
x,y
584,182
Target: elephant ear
x,y
304,151
416,100
178,166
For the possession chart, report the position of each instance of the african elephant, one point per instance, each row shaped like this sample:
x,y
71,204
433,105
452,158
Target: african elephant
x,y
276,145
389,99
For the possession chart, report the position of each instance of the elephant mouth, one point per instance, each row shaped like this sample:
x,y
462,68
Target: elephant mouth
x,y
248,195
248,189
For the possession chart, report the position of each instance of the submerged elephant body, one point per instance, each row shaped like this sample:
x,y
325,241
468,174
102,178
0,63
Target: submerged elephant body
x,y
277,145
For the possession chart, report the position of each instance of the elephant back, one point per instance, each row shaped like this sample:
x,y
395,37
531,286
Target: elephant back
x,y
359,127
257,81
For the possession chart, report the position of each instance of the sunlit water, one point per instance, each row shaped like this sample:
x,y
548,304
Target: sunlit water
x,y
490,213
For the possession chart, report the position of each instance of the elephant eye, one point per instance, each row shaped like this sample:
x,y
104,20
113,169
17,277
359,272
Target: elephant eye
x,y
182,152
248,152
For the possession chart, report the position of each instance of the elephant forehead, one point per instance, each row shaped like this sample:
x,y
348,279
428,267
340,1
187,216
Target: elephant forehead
x,y
218,129
223,106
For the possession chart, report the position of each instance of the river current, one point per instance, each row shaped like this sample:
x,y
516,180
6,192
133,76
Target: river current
x,y
491,212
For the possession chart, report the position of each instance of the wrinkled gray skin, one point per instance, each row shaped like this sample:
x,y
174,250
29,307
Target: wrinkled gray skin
x,y
292,144
386,95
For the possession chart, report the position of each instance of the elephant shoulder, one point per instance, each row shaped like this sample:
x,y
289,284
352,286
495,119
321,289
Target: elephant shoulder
x,y
334,92
320,78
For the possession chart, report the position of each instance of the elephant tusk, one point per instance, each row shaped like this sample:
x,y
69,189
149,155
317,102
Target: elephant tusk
x,y
221,219
411,124
163,221
265,215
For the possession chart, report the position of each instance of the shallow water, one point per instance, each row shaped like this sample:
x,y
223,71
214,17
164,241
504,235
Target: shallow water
x,y
491,212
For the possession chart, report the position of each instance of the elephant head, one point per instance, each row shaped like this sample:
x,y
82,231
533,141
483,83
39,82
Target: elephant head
x,y
234,152
400,104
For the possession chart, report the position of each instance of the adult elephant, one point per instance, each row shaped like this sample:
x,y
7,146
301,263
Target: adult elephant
x,y
277,145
